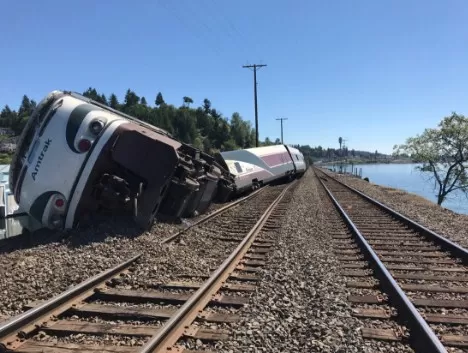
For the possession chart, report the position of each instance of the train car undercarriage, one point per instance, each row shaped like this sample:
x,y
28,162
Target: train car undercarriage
x,y
150,174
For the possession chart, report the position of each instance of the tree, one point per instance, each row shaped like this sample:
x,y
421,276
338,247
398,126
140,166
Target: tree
x,y
223,133
340,141
267,142
102,99
252,138
187,101
26,108
8,117
444,153
113,101
143,101
159,100
131,99
206,105
215,114
240,130
6,113
91,93
277,141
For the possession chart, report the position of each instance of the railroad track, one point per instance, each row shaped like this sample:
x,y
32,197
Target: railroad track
x,y
185,315
219,213
404,272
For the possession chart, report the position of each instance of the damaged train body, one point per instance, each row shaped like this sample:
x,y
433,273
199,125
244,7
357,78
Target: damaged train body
x,y
76,156
255,167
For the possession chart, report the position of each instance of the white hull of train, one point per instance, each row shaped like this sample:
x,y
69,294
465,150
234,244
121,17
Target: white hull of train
x,y
254,167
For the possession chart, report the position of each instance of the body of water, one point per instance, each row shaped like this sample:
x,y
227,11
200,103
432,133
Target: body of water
x,y
405,177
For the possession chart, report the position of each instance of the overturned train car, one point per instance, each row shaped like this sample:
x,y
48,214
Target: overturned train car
x,y
77,156
255,167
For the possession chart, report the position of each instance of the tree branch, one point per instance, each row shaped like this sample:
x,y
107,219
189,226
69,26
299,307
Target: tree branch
x,y
460,187
431,163
462,170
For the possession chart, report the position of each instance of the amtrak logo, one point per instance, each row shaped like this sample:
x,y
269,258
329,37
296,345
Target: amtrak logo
x,y
40,158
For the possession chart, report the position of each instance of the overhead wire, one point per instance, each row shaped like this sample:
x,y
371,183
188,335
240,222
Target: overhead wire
x,y
214,33
190,29
231,28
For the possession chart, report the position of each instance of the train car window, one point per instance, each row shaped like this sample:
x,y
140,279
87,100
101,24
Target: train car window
x,y
238,167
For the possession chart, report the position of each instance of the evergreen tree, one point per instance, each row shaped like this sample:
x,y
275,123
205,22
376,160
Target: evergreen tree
x,y
113,101
131,99
206,106
159,100
26,107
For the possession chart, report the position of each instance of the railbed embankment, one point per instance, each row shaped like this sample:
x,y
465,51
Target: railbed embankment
x,y
439,219
301,302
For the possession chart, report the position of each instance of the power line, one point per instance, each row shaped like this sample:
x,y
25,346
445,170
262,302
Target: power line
x,y
282,128
214,45
223,24
230,24
255,67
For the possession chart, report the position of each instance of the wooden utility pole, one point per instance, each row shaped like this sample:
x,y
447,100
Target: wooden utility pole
x,y
282,128
255,67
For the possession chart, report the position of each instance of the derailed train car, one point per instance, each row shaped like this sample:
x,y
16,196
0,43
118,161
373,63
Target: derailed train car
x,y
76,156
255,167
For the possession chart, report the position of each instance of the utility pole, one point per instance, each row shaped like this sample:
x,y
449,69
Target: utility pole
x,y
255,67
282,128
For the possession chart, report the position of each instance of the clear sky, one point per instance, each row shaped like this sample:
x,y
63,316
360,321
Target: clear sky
x,y
374,72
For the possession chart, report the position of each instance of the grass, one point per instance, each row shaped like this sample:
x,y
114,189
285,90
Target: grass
x,y
5,158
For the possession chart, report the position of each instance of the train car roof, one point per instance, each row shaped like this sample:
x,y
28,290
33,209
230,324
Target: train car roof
x,y
294,149
259,151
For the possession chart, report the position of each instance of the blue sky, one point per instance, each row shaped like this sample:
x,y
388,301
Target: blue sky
x,y
374,72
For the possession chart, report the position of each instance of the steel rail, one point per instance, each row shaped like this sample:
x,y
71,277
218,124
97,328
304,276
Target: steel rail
x,y
446,244
422,336
170,333
32,315
214,214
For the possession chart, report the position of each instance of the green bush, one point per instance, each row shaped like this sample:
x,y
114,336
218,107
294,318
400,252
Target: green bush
x,y
5,158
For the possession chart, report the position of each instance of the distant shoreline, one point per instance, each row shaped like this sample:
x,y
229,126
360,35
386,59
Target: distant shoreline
x,y
396,161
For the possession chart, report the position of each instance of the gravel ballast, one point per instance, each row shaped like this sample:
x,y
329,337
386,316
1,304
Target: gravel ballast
x,y
45,270
301,302
439,219
299,305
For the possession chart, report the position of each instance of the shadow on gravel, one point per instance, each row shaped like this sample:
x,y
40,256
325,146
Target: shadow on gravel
x,y
28,240
97,230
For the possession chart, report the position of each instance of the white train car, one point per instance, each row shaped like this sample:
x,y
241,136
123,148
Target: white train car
x,y
254,167
76,156
298,159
